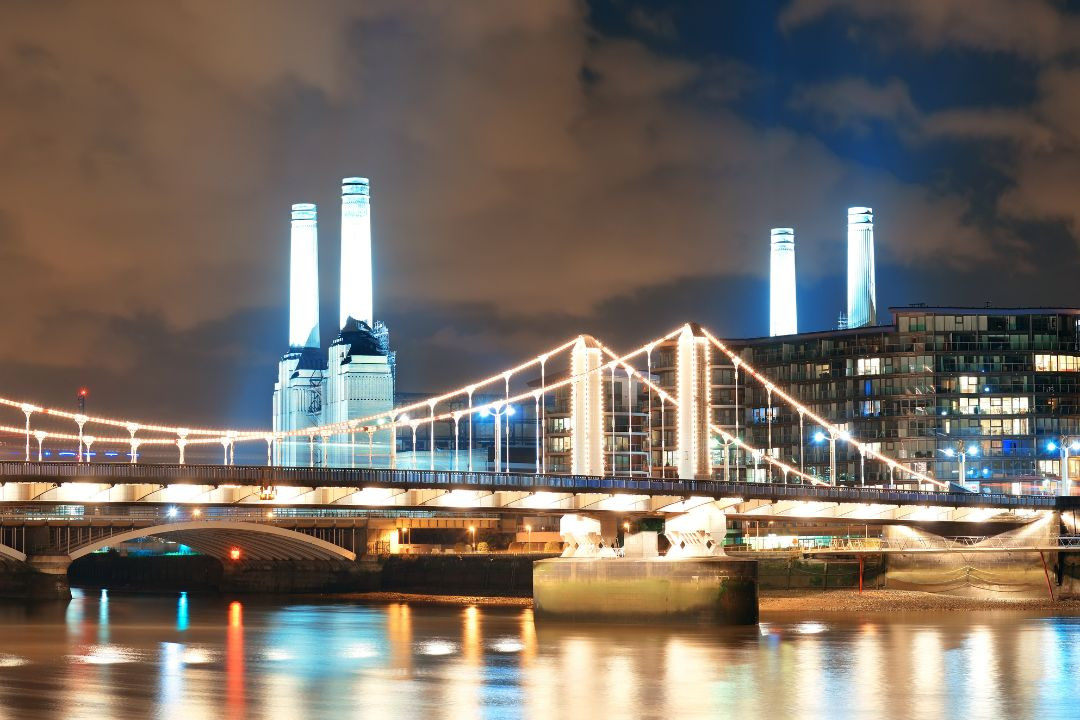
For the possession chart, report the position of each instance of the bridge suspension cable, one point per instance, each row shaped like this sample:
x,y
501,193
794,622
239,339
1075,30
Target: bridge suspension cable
x,y
399,417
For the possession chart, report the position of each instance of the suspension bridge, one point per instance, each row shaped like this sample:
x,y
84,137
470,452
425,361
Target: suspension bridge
x,y
612,435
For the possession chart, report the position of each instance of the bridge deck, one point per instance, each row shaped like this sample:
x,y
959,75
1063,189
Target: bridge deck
x,y
215,475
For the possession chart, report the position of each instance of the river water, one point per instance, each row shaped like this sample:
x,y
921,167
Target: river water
x,y
192,657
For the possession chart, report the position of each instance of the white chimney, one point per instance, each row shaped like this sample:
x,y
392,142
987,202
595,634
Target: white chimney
x,y
783,315
356,275
861,285
304,278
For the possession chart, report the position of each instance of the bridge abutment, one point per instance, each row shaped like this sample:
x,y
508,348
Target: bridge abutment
x,y
37,578
1005,574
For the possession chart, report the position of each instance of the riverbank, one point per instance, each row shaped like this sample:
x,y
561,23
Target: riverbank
x,y
846,601
452,600
780,601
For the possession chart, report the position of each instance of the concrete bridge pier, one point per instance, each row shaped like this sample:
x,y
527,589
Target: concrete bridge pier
x,y
693,583
45,575
48,578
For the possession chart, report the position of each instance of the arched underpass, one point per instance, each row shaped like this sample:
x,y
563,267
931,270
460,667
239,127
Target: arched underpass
x,y
10,553
270,560
215,538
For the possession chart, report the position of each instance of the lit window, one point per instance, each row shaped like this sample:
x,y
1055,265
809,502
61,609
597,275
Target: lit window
x,y
968,384
1057,363
868,366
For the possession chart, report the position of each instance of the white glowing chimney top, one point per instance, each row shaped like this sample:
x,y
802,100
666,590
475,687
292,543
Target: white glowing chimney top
x,y
861,284
304,278
356,271
783,315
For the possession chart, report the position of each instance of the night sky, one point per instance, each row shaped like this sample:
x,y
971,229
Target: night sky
x,y
538,169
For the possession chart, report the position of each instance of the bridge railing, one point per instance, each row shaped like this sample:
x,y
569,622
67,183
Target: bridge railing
x,y
31,513
958,544
493,482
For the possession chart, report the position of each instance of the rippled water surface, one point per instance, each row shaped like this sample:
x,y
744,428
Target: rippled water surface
x,y
204,657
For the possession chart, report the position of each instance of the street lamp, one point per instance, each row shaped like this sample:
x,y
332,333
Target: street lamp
x,y
819,437
962,452
528,529
472,537
498,411
1064,444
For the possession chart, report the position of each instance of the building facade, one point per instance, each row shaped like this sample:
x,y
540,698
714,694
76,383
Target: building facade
x,y
1001,385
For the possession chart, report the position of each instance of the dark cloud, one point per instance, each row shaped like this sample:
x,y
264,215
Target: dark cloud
x,y
534,175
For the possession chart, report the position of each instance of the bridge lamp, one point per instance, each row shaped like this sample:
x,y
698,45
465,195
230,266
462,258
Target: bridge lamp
x,y
234,554
819,437
171,512
196,512
472,537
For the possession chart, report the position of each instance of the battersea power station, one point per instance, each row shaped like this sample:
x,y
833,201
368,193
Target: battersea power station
x,y
355,377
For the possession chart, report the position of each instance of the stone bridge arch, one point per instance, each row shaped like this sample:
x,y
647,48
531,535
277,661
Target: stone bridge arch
x,y
216,538
11,553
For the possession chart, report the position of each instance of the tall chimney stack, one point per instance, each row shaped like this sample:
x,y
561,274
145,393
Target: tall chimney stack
x,y
304,278
356,275
861,285
783,315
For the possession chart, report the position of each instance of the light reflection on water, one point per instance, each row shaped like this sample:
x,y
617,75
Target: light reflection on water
x,y
106,656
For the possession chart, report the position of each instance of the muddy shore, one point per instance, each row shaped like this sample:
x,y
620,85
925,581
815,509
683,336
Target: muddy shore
x,y
452,600
841,601
844,601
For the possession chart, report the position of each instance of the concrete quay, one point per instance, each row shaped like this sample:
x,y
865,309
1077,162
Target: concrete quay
x,y
712,590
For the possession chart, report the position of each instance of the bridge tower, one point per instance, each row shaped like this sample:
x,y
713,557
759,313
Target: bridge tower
x,y
694,411
586,408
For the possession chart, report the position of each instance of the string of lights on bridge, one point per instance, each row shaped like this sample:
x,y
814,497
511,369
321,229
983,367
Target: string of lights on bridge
x,y
406,416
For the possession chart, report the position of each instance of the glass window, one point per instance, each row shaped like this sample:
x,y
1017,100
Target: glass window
x,y
968,384
868,366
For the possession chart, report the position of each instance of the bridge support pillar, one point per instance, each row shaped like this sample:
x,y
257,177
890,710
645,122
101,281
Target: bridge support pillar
x,y
694,412
586,409
47,579
584,537
697,533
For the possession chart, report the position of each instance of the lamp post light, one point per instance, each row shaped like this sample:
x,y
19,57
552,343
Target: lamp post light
x,y
729,443
370,444
472,537
819,437
962,452
862,463
1064,444
528,529
498,411
413,424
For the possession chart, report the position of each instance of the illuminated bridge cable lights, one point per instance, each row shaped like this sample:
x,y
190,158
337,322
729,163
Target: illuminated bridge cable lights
x,y
832,428
140,434
729,439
